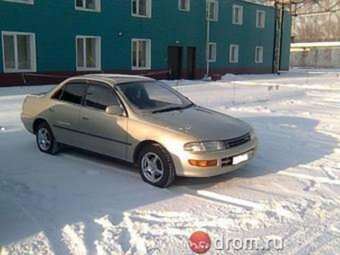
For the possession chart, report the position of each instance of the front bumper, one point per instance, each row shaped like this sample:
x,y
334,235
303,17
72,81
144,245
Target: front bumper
x,y
224,161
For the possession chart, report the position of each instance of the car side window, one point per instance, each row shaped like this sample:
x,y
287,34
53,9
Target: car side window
x,y
73,92
100,97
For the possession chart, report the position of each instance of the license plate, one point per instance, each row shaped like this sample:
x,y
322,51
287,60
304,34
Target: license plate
x,y
240,158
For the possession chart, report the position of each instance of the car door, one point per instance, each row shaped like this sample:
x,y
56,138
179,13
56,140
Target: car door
x,y
105,133
65,110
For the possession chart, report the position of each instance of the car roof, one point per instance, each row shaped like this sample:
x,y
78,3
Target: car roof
x,y
114,79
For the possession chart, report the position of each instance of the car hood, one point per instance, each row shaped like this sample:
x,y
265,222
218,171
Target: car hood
x,y
201,123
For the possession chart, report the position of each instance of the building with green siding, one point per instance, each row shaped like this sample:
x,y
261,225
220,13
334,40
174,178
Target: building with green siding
x,y
48,40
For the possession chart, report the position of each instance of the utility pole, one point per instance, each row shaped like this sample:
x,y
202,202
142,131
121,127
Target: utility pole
x,y
279,19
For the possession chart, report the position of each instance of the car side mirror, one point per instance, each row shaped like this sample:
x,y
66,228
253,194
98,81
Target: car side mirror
x,y
114,110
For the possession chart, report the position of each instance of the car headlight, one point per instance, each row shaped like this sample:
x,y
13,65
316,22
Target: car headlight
x,y
204,146
252,135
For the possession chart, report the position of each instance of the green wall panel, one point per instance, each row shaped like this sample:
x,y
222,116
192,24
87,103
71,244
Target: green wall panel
x,y
56,23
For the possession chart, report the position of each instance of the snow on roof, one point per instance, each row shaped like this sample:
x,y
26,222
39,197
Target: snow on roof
x,y
315,44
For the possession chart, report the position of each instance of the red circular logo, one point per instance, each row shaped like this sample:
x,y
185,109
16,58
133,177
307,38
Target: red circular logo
x,y
199,242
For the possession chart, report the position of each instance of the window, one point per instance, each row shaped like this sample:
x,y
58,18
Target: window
x,y
88,5
21,1
73,92
88,53
212,10
184,5
237,15
233,53
260,19
212,52
141,54
18,52
259,54
141,8
100,97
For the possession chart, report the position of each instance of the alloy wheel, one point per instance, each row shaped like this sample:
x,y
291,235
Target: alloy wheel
x,y
44,139
152,167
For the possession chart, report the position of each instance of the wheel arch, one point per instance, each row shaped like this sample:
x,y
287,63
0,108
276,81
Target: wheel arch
x,y
141,145
36,124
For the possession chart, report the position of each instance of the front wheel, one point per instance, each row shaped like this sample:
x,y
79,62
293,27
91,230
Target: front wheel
x,y
45,139
156,166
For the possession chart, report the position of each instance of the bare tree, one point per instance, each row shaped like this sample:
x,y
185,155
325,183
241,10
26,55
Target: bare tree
x,y
317,20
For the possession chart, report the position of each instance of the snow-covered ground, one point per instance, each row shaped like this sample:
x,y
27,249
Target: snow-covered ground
x,y
79,203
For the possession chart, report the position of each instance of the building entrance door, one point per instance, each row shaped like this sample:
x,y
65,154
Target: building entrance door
x,y
191,62
175,62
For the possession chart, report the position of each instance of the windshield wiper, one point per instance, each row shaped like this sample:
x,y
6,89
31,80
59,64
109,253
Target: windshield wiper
x,y
174,108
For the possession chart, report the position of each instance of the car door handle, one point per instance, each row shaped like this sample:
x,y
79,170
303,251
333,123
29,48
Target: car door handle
x,y
85,118
51,110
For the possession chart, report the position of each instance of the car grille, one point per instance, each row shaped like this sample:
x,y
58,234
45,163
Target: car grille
x,y
230,143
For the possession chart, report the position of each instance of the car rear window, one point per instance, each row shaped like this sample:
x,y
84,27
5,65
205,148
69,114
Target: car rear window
x,y
73,93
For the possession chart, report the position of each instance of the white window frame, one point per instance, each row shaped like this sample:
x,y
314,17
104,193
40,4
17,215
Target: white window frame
x,y
240,21
148,54
259,59
236,46
98,52
214,53
258,13
97,9
20,1
148,9
33,52
216,9
187,9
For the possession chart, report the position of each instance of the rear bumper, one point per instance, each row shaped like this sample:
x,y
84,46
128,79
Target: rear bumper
x,y
224,161
27,121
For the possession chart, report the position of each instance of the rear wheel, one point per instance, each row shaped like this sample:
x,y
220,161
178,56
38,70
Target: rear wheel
x,y
156,166
45,139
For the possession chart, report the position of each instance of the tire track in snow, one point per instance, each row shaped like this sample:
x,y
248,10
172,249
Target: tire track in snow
x,y
231,200
323,180
73,237
36,244
121,238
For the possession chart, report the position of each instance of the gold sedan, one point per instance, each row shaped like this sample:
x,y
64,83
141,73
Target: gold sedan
x,y
142,121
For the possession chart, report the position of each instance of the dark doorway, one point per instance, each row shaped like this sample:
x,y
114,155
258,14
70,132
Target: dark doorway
x,y
191,62
175,62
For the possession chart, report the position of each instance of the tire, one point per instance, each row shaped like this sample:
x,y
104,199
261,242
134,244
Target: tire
x,y
45,139
160,158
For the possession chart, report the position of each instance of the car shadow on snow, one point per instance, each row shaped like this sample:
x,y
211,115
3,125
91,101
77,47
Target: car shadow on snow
x,y
284,142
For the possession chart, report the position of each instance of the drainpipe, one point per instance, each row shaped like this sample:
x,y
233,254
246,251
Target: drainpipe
x,y
275,37
281,36
278,36
206,76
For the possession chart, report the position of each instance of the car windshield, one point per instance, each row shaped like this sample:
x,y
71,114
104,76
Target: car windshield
x,y
153,96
